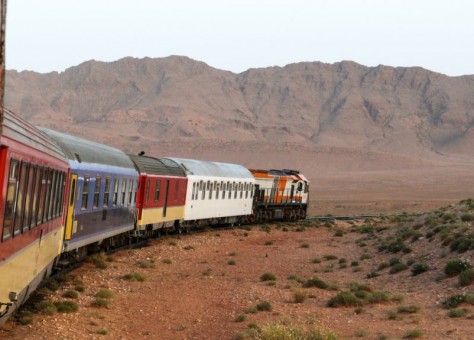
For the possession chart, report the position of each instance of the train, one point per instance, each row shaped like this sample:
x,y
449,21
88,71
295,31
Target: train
x,y
63,197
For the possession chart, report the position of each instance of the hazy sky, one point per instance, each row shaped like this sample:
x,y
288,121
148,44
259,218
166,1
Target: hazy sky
x,y
236,35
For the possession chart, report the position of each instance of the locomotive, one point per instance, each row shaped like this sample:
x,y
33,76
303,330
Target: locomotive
x,y
63,197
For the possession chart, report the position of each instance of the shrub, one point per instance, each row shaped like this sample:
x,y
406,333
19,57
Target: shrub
x,y
371,275
454,300
419,268
457,312
466,277
66,306
304,245
52,285
135,277
267,277
100,302
80,288
383,265
344,299
408,309
316,260
455,267
167,261
315,282
104,294
46,307
393,261
398,268
71,294
299,296
330,257
268,243
240,318
414,333
264,306
99,260
231,262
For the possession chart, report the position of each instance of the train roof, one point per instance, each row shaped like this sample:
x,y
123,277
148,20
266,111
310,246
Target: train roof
x,y
85,151
155,166
16,128
213,169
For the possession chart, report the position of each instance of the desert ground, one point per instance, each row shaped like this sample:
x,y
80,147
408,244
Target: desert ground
x,y
251,282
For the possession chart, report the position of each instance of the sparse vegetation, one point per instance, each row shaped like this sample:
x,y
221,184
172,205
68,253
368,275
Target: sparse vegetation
x,y
267,277
135,277
457,312
315,282
299,296
419,268
99,260
71,294
455,267
104,294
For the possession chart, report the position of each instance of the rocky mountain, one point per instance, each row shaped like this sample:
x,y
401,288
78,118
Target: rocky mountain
x,y
180,105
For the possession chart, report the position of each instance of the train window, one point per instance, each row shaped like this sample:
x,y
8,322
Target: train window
x,y
194,192
49,178
85,193
216,185
41,195
251,191
306,188
29,195
10,199
57,193
52,195
210,190
136,184
107,191
229,188
200,185
95,205
147,190
123,192
235,190
130,191
34,201
157,190
223,186
20,198
203,191
300,186
241,187
32,193
246,190
116,187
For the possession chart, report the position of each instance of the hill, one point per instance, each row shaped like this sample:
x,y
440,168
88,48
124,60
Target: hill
x,y
341,118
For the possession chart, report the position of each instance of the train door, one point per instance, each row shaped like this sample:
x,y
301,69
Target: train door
x,y
165,204
70,206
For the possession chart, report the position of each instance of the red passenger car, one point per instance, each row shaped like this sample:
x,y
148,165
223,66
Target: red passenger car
x,y
33,173
161,194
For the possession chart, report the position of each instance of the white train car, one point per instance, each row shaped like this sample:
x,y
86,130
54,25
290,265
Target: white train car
x,y
217,193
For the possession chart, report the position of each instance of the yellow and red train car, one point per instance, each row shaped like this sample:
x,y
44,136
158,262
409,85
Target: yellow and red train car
x,y
161,194
33,173
280,194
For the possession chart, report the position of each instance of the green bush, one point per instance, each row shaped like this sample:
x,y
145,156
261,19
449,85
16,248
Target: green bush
x,y
398,268
455,267
457,312
419,268
264,306
344,299
66,306
408,309
454,300
104,294
71,294
299,296
466,277
135,277
267,277
315,282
